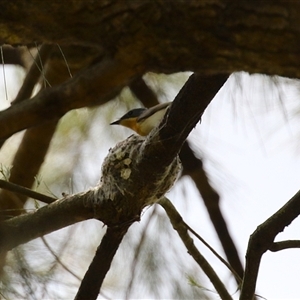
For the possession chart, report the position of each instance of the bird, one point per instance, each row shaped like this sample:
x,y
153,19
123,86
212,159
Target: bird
x,y
143,120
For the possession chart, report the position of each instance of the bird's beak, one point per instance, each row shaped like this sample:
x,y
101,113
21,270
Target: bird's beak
x,y
115,123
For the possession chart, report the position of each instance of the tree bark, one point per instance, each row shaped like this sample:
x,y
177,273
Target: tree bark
x,y
167,36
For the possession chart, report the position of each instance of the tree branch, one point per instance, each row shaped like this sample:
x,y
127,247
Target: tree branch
x,y
206,39
25,191
148,163
93,278
35,142
230,268
262,240
33,74
290,244
181,229
193,167
185,112
143,92
95,85
136,173
62,213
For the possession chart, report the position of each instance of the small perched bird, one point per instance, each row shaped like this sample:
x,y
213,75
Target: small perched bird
x,y
143,120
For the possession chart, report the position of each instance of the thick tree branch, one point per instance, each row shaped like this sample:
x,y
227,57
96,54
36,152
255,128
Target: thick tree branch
x,y
136,173
95,85
187,109
27,162
262,240
193,167
62,213
31,78
212,36
146,169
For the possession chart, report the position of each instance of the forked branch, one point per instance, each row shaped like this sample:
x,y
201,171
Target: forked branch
x,y
262,240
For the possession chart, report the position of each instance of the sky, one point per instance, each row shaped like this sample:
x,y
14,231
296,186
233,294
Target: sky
x,y
249,142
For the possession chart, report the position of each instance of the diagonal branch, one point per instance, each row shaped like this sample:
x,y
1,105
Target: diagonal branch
x,y
93,278
262,240
193,167
185,112
181,229
211,199
145,162
136,173
35,142
25,191
143,92
140,171
33,74
95,85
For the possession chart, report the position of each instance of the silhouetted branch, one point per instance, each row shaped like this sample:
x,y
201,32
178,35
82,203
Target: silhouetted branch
x,y
193,167
262,240
290,244
151,164
33,148
181,229
93,278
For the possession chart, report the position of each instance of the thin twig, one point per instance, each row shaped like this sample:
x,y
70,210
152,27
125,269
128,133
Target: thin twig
x,y
3,70
236,275
58,260
65,60
25,191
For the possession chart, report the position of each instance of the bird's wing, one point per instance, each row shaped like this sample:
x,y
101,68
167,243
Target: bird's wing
x,y
153,110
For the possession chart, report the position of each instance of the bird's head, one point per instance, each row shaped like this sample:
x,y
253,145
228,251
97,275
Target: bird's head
x,y
129,120
143,120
